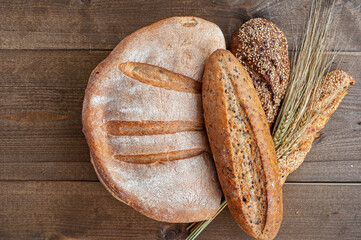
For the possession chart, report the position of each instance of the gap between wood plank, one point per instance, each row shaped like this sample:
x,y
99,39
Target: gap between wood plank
x,y
111,49
287,183
325,183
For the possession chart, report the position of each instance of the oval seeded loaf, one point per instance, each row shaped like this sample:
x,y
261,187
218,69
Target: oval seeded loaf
x,y
261,47
143,121
242,146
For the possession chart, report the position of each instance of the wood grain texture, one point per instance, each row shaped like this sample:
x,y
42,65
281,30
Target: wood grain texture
x,y
89,24
47,171
85,210
40,119
41,94
310,212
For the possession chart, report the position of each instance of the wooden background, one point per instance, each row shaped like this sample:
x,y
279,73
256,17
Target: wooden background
x,y
48,188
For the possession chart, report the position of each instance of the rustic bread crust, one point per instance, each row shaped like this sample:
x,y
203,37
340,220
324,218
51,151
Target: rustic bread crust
x,y
142,118
261,47
333,90
242,146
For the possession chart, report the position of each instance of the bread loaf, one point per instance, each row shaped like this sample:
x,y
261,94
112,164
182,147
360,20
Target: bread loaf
x,y
261,47
143,121
333,89
242,146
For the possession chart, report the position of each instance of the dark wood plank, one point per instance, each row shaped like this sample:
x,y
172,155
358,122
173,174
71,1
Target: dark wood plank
x,y
50,171
87,24
40,122
41,95
84,210
310,212
314,170
71,210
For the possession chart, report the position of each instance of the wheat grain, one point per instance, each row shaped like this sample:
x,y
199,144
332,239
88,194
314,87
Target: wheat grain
x,y
309,66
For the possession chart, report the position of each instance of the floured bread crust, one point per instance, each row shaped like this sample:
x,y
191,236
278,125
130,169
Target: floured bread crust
x,y
143,121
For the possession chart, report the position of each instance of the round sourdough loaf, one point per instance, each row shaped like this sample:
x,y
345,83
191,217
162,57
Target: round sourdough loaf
x,y
143,121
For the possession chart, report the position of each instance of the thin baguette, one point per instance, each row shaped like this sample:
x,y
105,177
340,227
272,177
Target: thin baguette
x,y
333,90
242,146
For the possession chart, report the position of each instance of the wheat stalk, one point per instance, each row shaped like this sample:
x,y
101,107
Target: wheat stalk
x,y
309,66
298,111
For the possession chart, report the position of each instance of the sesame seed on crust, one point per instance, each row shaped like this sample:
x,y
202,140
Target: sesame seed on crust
x,y
262,49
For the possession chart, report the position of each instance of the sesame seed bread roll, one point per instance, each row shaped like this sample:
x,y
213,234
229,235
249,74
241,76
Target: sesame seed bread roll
x,y
242,146
333,89
143,121
261,47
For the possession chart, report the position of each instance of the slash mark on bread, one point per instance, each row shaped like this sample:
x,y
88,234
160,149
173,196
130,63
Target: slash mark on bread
x,y
246,158
160,157
190,23
136,128
160,77
242,146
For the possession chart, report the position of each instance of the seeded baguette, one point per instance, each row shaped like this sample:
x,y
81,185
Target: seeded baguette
x,y
333,90
261,47
242,146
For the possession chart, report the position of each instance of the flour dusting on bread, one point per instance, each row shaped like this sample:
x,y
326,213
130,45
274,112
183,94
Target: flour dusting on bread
x,y
176,190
